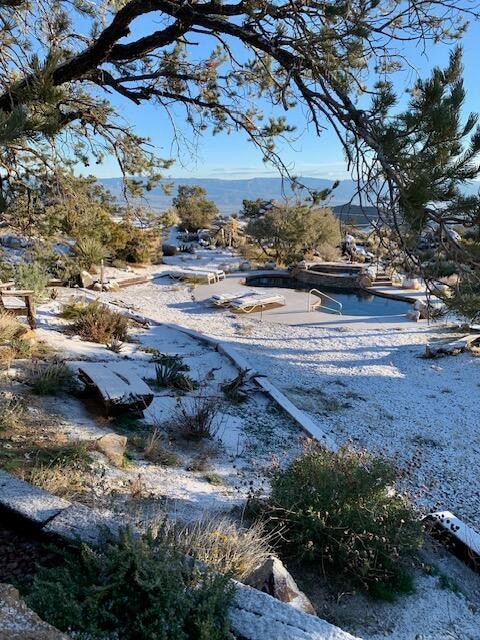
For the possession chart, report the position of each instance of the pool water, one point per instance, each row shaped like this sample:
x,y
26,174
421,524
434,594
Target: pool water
x,y
354,303
360,303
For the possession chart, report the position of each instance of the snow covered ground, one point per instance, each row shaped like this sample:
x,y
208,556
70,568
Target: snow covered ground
x,y
364,384
369,386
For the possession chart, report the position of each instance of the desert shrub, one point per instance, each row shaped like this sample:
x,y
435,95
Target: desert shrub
x,y
73,310
339,510
224,545
32,276
89,252
170,372
197,417
131,244
98,323
49,379
135,589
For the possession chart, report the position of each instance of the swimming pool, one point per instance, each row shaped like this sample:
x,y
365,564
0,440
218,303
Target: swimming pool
x,y
356,302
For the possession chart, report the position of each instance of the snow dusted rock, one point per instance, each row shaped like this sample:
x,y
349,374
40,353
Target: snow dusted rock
x,y
422,307
245,266
257,616
414,315
113,446
13,242
273,578
18,622
32,503
113,285
78,522
97,286
365,281
86,279
270,265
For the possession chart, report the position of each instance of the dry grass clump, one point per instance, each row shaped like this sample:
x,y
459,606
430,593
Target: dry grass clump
x,y
10,327
12,409
196,418
155,450
49,379
62,470
96,322
224,545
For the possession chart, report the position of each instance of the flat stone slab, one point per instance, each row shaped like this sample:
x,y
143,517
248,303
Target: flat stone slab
x,y
82,524
28,501
256,615
18,622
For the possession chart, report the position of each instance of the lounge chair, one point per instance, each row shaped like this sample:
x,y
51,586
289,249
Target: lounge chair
x,y
218,273
258,302
184,274
224,299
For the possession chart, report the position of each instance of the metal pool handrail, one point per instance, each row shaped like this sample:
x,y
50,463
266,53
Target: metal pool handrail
x,y
321,306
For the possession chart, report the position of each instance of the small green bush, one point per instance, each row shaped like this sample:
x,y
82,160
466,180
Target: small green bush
x,y
32,276
170,372
97,322
133,589
339,510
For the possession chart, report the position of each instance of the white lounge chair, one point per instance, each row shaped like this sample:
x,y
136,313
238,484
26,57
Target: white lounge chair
x,y
224,299
218,273
248,304
184,274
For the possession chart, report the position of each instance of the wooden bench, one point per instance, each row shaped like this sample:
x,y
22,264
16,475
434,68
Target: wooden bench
x,y
26,309
118,389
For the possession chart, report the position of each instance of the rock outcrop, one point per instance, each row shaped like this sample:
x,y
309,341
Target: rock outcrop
x,y
18,622
273,578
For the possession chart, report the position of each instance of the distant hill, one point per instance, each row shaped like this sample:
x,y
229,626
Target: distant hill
x,y
228,194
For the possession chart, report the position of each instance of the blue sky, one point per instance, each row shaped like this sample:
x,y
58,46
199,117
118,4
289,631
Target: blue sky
x,y
232,156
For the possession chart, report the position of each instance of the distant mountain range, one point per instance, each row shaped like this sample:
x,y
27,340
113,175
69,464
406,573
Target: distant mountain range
x,y
228,194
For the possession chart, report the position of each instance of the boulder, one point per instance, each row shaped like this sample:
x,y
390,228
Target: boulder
x,y
245,266
414,315
271,264
113,446
86,279
422,307
273,578
13,242
18,622
365,281
97,286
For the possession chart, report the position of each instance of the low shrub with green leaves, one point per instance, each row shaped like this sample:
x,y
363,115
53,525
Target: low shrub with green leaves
x,y
96,322
171,372
134,589
32,276
339,510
